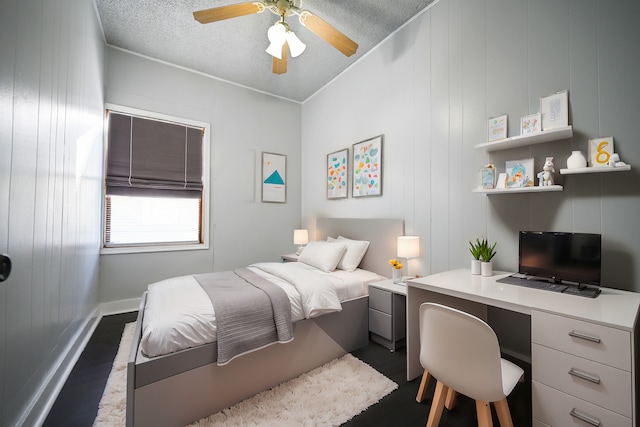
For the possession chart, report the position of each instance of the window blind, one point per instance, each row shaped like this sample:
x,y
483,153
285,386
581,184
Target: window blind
x,y
150,158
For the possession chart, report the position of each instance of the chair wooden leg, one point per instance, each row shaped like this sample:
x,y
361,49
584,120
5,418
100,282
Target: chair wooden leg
x,y
483,411
504,416
452,396
437,405
422,391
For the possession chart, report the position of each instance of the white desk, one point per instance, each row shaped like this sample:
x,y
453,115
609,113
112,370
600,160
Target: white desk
x,y
611,318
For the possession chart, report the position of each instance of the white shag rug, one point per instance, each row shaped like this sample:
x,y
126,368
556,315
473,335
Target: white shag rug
x,y
327,396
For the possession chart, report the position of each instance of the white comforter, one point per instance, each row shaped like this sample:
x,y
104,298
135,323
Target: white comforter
x,y
179,314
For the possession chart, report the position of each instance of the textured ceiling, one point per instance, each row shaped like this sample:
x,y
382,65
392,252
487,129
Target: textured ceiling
x,y
234,49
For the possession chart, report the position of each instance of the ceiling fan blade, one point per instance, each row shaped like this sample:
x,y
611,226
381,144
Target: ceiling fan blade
x,y
328,33
279,66
225,12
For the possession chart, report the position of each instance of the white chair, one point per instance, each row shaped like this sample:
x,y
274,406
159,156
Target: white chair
x,y
462,352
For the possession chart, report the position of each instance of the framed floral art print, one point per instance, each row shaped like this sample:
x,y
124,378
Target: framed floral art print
x,y
337,174
367,167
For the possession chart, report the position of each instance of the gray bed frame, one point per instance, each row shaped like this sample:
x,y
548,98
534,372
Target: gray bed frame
x,y
180,388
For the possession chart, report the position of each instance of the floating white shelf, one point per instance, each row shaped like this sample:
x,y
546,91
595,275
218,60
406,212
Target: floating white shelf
x,y
534,138
601,169
535,189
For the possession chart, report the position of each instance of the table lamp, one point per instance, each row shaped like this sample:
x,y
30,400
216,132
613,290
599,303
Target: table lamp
x,y
300,238
408,247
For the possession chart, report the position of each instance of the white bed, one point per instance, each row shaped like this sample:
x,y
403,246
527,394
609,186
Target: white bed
x,y
182,382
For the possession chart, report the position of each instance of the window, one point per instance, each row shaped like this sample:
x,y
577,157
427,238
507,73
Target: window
x,y
155,194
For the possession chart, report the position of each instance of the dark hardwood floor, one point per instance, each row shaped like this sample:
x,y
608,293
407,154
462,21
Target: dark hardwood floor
x,y
77,404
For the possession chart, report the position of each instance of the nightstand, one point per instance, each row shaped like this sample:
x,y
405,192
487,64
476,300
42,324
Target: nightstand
x,y
387,313
289,258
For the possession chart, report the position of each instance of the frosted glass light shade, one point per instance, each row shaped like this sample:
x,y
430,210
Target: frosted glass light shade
x,y
275,50
277,35
408,246
300,237
296,46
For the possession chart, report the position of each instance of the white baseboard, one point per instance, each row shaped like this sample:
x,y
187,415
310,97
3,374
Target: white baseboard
x,y
36,412
122,306
41,402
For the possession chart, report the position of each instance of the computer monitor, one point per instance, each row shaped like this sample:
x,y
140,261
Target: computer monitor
x,y
561,257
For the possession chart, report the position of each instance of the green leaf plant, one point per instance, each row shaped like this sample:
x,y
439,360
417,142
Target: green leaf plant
x,y
481,249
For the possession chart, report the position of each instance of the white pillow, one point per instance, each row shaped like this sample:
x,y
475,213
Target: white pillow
x,y
322,255
354,253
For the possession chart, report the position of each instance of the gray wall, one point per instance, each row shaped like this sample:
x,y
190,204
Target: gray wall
x,y
244,123
51,101
430,89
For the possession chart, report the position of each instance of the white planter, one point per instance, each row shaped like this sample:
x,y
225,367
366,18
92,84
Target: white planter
x,y
486,268
475,266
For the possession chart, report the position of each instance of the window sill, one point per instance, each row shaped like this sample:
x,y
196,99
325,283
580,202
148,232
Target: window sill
x,y
148,249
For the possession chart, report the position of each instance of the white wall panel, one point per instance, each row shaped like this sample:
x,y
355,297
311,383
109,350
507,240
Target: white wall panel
x,y
474,63
441,166
458,187
7,67
422,148
21,198
619,92
51,98
484,58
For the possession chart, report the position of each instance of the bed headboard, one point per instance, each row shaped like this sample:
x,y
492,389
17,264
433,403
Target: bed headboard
x,y
381,232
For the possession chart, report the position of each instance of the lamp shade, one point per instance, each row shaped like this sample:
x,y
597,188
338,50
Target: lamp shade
x,y
300,237
408,246
295,44
277,35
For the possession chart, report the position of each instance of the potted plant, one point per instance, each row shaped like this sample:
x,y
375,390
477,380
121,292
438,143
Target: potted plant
x,y
475,249
487,252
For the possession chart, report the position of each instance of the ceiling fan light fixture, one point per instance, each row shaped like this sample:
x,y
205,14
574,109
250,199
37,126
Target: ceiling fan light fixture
x,y
296,46
277,35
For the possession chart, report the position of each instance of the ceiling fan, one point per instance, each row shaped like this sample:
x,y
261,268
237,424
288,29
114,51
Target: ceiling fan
x,y
282,39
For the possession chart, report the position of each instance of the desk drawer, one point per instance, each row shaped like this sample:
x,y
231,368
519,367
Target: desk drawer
x,y
594,382
554,408
380,299
381,324
594,342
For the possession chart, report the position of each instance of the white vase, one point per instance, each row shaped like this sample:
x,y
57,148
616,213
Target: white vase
x,y
475,266
486,269
576,160
396,275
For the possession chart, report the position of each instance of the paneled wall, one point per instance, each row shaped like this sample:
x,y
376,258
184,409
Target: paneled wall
x,y
244,123
430,89
51,97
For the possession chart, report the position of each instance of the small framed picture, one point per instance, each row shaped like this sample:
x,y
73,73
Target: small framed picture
x,y
497,128
488,177
337,174
520,173
274,178
600,151
530,124
502,181
554,110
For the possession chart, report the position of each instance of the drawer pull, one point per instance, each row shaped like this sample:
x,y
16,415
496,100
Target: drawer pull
x,y
587,419
584,376
584,336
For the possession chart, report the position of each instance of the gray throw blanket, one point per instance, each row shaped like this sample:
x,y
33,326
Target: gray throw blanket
x,y
251,312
